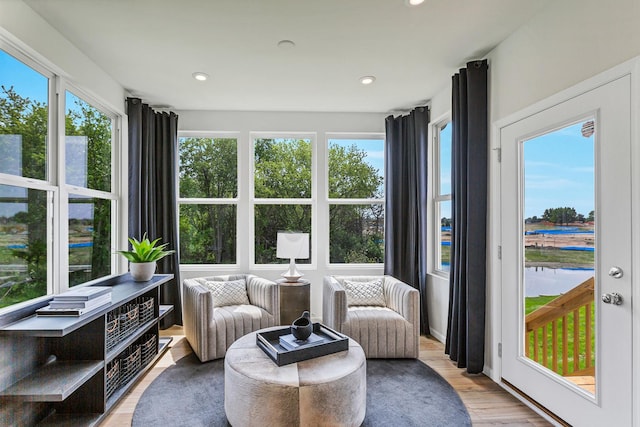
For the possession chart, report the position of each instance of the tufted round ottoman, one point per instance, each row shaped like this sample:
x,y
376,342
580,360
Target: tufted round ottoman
x,y
325,391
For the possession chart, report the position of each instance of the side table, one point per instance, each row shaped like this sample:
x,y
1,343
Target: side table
x,y
295,297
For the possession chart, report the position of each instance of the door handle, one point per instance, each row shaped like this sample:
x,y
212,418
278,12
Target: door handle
x,y
612,298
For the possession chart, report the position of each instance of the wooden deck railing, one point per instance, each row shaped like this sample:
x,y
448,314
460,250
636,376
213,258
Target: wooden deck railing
x,y
560,334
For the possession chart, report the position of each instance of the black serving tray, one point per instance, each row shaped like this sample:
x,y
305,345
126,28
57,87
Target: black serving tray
x,y
269,342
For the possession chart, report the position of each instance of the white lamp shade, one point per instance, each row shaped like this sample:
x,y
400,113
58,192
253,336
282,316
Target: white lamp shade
x,y
293,245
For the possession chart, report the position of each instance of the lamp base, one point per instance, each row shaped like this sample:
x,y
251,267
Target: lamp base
x,y
292,274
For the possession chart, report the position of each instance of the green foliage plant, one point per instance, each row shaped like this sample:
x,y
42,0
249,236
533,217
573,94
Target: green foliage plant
x,y
145,250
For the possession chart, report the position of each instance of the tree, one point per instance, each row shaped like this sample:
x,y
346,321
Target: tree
x,y
282,170
356,232
208,169
562,215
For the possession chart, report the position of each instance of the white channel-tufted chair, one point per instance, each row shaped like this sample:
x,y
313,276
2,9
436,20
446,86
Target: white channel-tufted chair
x,y
390,329
211,330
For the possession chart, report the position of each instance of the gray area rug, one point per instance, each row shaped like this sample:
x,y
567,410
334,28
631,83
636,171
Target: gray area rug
x,y
400,392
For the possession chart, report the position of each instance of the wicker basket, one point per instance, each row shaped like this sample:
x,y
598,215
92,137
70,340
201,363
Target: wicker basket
x,y
129,363
148,348
145,306
113,376
129,315
113,330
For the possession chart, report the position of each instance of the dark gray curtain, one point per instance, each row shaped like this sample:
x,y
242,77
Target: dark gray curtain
x,y
405,235
467,279
153,163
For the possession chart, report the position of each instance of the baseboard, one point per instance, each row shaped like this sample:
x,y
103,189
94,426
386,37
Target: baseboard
x,y
438,335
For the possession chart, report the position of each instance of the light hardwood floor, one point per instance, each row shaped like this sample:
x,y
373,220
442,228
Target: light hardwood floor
x,y
488,404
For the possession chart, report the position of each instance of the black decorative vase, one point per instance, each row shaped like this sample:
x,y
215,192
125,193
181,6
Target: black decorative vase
x,y
302,327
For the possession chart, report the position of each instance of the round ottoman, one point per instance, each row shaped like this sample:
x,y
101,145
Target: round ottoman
x,y
325,391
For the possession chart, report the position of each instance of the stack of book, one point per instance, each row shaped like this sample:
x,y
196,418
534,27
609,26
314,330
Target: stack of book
x,y
289,342
77,302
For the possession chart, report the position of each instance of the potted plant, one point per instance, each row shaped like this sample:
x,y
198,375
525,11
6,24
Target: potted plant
x,y
143,257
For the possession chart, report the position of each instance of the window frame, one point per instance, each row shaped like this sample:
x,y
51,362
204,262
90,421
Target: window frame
x,y
67,189
236,201
340,201
436,128
54,181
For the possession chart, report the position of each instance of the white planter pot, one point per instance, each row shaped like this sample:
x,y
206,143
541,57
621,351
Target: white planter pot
x,y
142,271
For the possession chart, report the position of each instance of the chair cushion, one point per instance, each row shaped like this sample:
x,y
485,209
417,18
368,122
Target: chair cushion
x,y
232,292
364,293
381,332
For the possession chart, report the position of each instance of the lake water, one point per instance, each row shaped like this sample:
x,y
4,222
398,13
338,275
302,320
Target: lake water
x,y
553,281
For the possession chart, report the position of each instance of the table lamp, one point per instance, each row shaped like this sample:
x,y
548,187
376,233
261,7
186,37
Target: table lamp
x,y
292,246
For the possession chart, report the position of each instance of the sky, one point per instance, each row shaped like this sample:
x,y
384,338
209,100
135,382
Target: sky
x,y
25,80
445,159
559,171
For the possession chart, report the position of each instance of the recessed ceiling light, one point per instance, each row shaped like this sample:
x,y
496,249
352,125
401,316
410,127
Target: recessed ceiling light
x,y
414,2
367,80
200,76
286,44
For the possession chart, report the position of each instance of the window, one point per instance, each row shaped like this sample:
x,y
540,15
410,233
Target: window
x,y
41,251
25,196
282,192
281,170
442,196
88,173
356,200
208,199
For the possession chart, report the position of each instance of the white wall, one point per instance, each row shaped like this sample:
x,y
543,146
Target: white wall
x,y
566,43
318,123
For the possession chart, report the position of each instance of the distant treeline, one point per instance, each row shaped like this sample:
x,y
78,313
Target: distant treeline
x,y
561,215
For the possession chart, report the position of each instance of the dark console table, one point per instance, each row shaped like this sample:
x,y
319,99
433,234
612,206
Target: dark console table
x,y
82,369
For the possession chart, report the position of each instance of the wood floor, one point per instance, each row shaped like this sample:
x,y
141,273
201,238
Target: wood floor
x,y
487,403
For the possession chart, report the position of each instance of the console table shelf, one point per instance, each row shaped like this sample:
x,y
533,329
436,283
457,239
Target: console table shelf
x,y
54,382
83,380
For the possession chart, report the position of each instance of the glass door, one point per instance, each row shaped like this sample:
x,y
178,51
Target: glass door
x,y
566,256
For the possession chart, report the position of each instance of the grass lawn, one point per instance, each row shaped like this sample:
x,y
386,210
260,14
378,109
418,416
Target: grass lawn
x,y
563,258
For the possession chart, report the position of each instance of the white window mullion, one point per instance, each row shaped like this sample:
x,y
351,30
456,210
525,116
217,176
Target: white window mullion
x,y
61,257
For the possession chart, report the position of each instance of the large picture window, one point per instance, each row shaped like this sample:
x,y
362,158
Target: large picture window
x,y
208,199
41,251
88,171
356,200
282,189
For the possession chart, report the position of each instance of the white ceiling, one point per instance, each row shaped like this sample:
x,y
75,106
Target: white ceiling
x,y
152,47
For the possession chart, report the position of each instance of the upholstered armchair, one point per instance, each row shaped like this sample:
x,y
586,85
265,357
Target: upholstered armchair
x,y
218,310
381,313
